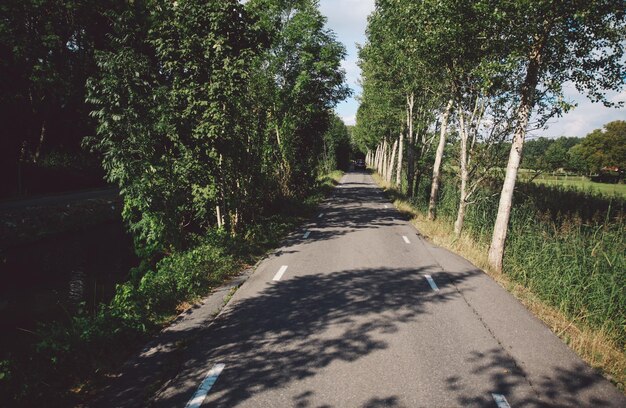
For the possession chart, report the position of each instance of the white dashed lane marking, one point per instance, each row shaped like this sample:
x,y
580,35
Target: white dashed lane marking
x,y
406,239
432,283
321,215
280,273
501,401
205,386
306,234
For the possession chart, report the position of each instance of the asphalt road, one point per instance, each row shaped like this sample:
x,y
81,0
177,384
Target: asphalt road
x,y
346,316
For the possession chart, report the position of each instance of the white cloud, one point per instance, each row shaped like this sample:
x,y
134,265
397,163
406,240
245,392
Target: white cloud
x,y
586,116
349,120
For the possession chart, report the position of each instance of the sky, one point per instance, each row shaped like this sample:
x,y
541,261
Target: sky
x,y
348,19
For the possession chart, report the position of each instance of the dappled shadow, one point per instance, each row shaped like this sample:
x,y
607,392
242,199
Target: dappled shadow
x,y
354,206
566,388
297,327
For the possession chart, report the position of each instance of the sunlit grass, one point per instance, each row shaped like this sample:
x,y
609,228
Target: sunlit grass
x,y
581,183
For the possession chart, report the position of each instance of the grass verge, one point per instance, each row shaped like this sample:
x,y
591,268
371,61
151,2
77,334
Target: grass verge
x,y
598,345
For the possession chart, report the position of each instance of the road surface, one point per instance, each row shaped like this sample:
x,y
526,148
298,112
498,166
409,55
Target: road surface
x,y
357,310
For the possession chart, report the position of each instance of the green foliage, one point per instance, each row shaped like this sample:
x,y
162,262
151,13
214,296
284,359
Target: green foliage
x,y
337,147
168,106
183,276
298,81
604,148
545,154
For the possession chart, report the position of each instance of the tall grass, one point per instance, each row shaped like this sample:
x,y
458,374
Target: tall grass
x,y
567,246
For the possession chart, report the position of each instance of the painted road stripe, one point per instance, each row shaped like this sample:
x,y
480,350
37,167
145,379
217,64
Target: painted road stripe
x,y
205,386
406,239
501,401
306,234
280,273
321,215
432,284
386,206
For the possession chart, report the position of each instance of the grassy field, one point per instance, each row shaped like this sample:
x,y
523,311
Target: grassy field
x,y
579,183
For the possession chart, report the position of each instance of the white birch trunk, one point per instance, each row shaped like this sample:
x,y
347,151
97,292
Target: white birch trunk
x,y
392,161
218,214
434,189
500,229
460,216
399,168
410,156
384,161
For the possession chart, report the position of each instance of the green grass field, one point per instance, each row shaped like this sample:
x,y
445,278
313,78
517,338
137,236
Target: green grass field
x,y
578,182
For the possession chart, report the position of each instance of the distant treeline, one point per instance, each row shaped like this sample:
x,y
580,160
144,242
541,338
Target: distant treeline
x,y
599,149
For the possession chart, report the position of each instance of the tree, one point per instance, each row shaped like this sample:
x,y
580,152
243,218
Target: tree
x,y
210,112
336,153
300,82
46,55
167,99
580,41
604,148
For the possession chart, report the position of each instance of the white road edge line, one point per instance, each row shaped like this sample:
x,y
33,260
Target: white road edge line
x,y
434,287
501,401
280,273
406,239
306,234
205,386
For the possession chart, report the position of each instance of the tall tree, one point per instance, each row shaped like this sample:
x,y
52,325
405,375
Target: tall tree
x,y
604,148
579,41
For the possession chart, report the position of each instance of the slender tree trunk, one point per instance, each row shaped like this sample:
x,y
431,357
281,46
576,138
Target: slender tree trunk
x,y
42,137
218,215
500,229
460,216
376,158
399,168
383,170
392,162
410,153
434,189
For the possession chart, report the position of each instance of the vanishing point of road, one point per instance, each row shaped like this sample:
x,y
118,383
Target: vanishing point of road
x,y
358,310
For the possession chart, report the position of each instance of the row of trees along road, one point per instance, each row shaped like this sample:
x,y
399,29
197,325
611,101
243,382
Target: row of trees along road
x,y
205,113
487,69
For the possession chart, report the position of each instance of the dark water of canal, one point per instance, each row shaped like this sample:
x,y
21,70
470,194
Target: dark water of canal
x,y
49,279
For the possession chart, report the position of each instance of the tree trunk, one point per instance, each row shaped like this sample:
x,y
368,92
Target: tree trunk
x,y
500,229
410,153
464,133
434,189
218,215
383,170
42,137
399,168
392,161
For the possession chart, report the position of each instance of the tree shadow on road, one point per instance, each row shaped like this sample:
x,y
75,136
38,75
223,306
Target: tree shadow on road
x,y
565,387
298,326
